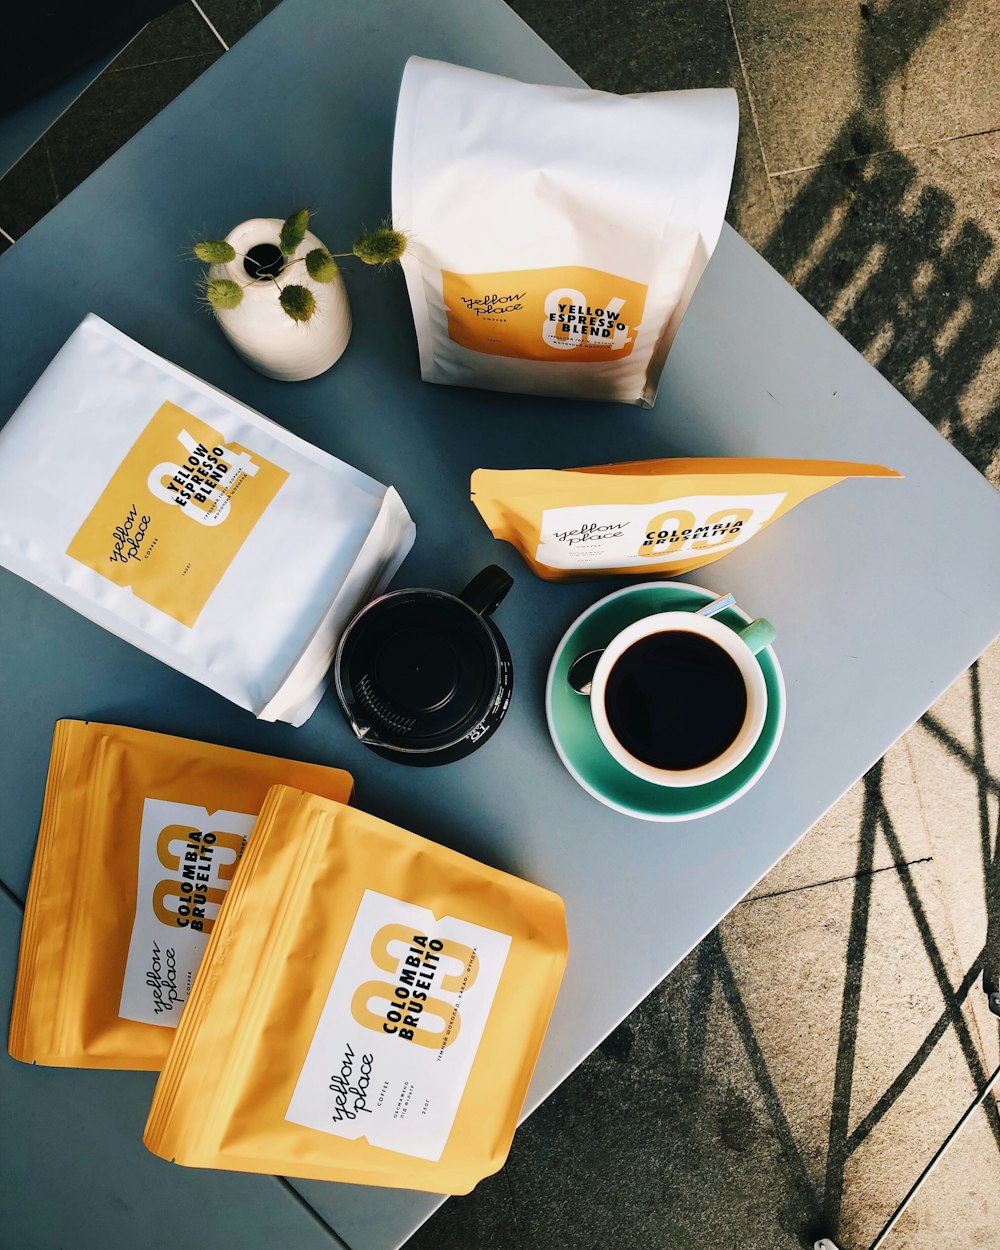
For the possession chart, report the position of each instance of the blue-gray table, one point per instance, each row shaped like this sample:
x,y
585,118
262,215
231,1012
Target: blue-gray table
x,y
881,592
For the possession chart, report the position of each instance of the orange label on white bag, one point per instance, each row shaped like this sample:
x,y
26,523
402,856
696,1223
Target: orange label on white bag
x,y
175,513
569,313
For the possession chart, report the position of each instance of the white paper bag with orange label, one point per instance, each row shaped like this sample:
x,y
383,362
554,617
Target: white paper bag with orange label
x,y
556,234
190,525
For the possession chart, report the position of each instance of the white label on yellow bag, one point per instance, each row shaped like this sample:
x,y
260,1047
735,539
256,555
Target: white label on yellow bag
x,y
400,1029
630,535
187,857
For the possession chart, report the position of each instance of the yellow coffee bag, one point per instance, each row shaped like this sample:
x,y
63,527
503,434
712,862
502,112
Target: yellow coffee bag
x,y
379,1002
139,839
646,516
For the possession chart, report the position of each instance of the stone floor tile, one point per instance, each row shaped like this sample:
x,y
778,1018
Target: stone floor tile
x,y
959,1209
661,1140
232,18
800,1062
28,190
801,63
24,125
833,79
900,253
955,750
112,110
485,1220
752,212
830,850
663,45
951,83
955,1206
654,45
180,32
873,1068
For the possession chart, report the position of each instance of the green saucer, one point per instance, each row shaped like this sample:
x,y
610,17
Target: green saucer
x,y
572,727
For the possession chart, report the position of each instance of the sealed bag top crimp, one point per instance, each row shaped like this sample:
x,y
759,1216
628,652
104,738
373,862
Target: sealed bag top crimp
x,y
139,841
376,1001
190,525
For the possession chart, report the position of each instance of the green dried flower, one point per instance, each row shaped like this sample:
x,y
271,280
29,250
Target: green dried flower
x,y
321,266
223,293
214,251
298,302
381,246
293,231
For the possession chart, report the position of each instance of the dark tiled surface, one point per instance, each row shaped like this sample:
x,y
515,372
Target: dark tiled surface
x,y
651,46
27,192
111,111
23,126
158,64
180,32
232,18
485,1220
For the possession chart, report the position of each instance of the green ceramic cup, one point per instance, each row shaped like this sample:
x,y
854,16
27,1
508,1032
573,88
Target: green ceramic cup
x,y
571,723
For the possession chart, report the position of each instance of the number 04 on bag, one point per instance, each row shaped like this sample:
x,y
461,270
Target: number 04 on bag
x,y
379,1001
556,234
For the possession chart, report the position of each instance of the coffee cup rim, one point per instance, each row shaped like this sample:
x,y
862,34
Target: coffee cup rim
x,y
731,642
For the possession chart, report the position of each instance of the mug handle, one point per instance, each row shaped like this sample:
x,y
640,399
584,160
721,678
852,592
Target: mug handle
x,y
487,590
758,634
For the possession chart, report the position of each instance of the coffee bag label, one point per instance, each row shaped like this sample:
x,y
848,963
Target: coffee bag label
x,y
176,512
400,1028
187,857
629,535
569,313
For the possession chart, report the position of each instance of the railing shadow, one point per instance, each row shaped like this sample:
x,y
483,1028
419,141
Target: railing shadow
x,y
886,257
821,1206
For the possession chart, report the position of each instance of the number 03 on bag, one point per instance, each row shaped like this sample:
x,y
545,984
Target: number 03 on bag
x,y
379,1001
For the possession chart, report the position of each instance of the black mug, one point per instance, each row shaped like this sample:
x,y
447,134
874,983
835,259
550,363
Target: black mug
x,y
425,677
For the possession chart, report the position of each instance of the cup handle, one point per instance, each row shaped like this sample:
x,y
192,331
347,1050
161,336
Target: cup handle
x,y
758,634
487,590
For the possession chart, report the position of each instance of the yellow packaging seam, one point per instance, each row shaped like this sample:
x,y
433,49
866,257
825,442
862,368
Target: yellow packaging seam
x,y
80,882
38,890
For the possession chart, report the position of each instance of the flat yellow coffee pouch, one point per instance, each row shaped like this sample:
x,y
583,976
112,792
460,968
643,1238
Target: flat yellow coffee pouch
x,y
377,1002
646,516
139,838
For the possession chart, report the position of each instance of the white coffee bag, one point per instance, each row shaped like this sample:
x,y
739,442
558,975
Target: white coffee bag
x,y
556,234
190,525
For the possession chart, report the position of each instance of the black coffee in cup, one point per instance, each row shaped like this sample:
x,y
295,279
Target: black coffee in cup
x,y
675,700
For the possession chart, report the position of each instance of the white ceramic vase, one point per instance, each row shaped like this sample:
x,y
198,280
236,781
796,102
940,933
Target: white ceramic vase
x,y
259,329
